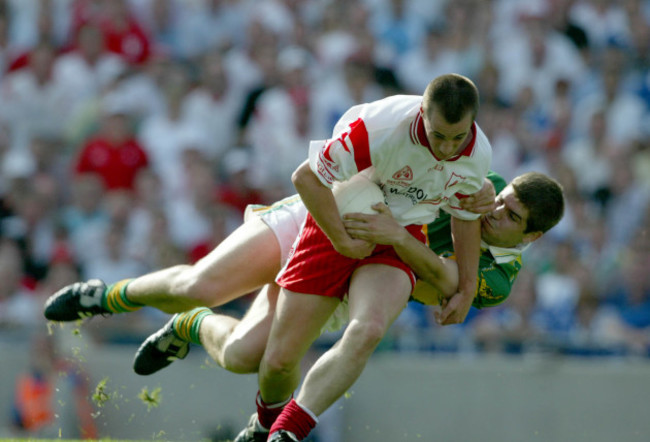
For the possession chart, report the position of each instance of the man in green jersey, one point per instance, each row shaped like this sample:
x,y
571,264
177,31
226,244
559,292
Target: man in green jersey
x,y
525,209
528,207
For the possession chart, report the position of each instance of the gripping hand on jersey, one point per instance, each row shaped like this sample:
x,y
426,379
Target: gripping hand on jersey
x,y
454,310
481,202
320,202
380,228
354,248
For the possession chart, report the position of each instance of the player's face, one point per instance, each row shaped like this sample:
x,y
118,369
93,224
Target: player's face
x,y
446,139
505,225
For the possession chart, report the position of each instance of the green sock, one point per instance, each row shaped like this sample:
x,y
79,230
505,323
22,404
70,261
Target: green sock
x,y
187,324
115,300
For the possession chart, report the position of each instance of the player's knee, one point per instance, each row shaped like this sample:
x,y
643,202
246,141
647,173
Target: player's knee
x,y
365,335
237,360
278,363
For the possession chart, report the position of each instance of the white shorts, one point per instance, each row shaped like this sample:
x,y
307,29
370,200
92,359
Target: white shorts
x,y
284,218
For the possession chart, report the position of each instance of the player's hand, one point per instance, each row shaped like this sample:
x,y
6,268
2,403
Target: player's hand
x,y
380,228
454,309
482,201
354,248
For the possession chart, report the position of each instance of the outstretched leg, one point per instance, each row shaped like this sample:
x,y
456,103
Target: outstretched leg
x,y
246,260
249,258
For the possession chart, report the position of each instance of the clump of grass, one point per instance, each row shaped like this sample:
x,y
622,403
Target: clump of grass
x,y
151,399
101,394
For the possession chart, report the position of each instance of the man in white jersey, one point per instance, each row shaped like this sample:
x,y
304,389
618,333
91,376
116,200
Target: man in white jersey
x,y
426,153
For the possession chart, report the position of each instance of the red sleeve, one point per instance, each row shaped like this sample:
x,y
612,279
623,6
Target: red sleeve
x,y
361,144
333,161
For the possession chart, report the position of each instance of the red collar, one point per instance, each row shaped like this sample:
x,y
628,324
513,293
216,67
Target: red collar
x,y
417,132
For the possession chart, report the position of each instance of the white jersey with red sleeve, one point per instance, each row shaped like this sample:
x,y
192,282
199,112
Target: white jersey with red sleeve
x,y
386,140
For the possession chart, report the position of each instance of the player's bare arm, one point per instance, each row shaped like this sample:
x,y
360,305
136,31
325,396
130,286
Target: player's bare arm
x,y
443,277
320,202
467,240
383,229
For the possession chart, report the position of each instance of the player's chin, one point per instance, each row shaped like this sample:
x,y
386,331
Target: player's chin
x,y
488,233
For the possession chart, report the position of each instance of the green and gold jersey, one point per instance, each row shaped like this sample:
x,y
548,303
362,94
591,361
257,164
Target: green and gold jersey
x,y
495,279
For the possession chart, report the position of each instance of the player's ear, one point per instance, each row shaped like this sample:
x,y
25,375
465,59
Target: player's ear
x,y
532,236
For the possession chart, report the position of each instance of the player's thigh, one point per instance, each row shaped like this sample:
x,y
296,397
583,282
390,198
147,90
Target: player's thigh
x,y
378,293
298,321
246,260
247,341
253,330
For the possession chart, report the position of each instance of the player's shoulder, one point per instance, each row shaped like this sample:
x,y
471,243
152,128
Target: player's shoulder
x,y
390,112
394,104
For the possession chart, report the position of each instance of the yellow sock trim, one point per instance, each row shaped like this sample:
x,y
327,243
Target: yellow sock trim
x,y
186,325
116,300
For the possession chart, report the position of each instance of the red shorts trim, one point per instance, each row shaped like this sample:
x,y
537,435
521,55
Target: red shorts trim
x,y
315,267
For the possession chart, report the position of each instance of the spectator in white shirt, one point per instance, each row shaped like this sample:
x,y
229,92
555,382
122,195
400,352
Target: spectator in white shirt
x,y
89,69
214,105
165,136
32,101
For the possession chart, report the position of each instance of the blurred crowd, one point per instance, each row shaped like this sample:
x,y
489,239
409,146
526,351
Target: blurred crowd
x,y
133,133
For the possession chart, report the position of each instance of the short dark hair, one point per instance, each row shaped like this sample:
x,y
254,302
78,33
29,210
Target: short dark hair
x,y
543,197
453,95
